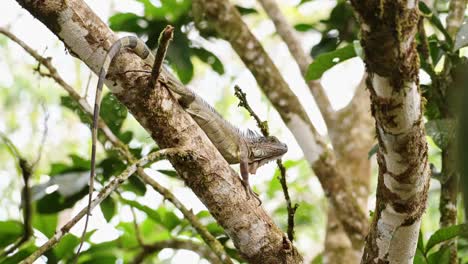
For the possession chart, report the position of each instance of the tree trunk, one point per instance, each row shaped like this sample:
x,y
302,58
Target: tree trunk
x,y
388,31
211,178
223,18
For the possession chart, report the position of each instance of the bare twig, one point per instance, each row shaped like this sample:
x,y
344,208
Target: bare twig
x,y
88,82
163,43
291,209
137,227
103,194
44,135
207,237
263,125
26,171
202,250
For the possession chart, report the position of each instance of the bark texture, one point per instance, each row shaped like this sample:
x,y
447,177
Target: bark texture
x,y
352,135
254,234
388,32
222,18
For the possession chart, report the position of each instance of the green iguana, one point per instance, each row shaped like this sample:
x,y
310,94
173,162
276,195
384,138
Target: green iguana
x,y
248,148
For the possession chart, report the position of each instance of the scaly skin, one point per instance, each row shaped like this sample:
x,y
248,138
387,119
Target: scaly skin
x,y
248,148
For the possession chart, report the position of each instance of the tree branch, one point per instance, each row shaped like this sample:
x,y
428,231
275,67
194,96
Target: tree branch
x,y
26,172
223,18
163,43
388,31
263,125
123,149
289,36
103,194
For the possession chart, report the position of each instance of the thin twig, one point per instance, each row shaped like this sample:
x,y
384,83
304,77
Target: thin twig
x,y
45,130
123,149
137,227
103,194
291,209
163,43
26,171
263,125
88,82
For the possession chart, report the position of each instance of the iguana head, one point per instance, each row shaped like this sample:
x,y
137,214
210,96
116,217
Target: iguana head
x,y
263,150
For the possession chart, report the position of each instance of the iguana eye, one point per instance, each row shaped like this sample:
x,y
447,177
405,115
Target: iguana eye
x,y
257,152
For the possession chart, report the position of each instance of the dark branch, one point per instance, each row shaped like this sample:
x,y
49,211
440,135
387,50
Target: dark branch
x,y
263,125
163,43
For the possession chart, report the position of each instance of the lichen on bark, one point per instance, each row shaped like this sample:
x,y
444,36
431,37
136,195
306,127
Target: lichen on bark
x,y
388,30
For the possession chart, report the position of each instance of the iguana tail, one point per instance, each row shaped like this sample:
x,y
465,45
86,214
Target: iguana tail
x,y
140,49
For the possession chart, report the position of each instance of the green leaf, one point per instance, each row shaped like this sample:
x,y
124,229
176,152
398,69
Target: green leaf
x,y
168,218
47,224
203,214
128,22
54,202
178,55
23,253
303,2
419,257
66,246
210,59
373,151
441,256
445,234
126,137
134,184
113,112
434,19
153,214
245,11
461,40
170,173
111,166
302,27
79,164
328,43
325,61
442,131
215,229
9,232
420,241
74,106
318,259
108,208
128,239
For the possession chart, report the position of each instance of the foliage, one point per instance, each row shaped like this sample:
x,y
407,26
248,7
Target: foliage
x,y
155,19
64,181
427,253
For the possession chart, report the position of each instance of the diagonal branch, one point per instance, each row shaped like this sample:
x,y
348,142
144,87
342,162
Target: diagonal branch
x,y
223,18
289,36
103,194
123,149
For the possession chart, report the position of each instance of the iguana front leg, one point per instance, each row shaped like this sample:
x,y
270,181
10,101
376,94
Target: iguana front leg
x,y
244,169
